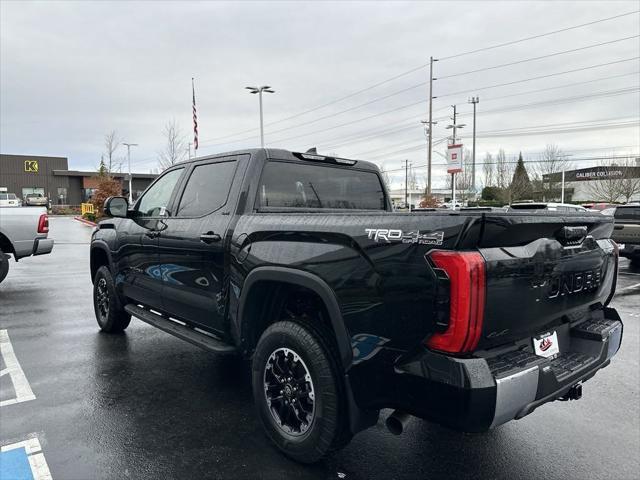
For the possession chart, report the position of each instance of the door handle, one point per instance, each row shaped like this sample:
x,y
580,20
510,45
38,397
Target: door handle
x,y
210,237
152,234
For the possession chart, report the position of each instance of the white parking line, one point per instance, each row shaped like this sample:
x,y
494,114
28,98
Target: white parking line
x,y
629,273
14,370
34,455
630,287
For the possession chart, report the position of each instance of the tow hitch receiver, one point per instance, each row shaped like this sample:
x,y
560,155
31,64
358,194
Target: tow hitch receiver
x,y
574,393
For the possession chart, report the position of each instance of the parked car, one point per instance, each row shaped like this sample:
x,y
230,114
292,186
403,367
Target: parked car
x,y
548,206
23,232
626,231
35,199
297,261
9,200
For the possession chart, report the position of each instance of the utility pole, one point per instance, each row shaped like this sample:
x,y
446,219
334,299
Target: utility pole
x,y
430,123
475,100
129,145
454,126
259,90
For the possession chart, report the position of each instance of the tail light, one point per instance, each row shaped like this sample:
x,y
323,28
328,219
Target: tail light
x,y
466,273
43,223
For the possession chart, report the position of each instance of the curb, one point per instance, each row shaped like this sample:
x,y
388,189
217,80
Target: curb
x,y
85,221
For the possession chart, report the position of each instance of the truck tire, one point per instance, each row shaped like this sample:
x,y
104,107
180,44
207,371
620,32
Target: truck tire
x,y
4,265
109,311
299,391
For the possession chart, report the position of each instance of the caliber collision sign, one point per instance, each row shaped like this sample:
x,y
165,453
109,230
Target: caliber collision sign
x,y
454,158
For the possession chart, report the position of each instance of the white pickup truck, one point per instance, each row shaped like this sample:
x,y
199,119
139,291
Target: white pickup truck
x,y
23,232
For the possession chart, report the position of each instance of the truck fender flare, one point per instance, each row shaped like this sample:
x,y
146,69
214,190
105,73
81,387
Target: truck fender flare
x,y
313,283
100,245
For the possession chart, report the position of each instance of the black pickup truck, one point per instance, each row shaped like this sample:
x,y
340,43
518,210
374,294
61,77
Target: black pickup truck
x,y
297,261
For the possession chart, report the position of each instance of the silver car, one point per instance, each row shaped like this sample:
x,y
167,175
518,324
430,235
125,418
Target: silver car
x,y
9,200
35,200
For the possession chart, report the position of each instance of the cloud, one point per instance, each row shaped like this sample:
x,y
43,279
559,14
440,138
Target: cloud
x,y
70,72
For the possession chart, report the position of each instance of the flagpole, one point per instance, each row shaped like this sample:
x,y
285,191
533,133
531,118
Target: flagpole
x,y
195,118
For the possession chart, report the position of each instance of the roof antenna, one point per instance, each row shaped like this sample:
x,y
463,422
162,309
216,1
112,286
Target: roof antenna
x,y
313,150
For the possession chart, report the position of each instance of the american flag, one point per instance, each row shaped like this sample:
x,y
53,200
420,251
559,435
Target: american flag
x,y
195,117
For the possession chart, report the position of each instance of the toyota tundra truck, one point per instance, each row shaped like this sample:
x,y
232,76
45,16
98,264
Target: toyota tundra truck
x,y
297,262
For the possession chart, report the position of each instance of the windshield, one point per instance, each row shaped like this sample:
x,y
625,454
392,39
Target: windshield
x,y
292,185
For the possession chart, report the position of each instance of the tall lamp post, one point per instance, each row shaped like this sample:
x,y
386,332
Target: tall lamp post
x,y
129,145
259,90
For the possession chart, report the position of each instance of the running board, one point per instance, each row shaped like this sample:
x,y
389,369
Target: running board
x,y
183,332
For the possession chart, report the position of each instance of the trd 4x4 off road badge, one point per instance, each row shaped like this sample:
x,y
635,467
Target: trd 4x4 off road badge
x,y
391,235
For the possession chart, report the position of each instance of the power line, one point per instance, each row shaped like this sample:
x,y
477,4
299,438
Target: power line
x,y
411,125
558,101
487,87
422,84
586,159
564,52
510,133
420,67
533,37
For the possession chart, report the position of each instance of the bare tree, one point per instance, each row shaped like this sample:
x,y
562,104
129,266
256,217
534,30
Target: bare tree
x,y
463,179
111,144
630,181
504,170
175,146
488,170
552,160
412,179
608,187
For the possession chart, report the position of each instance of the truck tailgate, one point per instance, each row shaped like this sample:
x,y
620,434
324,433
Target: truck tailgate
x,y
543,271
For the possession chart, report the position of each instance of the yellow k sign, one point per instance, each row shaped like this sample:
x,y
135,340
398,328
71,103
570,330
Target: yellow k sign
x,y
31,166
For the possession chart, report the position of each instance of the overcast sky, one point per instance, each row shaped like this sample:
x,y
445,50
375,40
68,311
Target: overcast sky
x,y
72,71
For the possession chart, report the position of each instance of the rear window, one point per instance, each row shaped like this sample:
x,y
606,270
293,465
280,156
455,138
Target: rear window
x,y
529,206
318,186
627,213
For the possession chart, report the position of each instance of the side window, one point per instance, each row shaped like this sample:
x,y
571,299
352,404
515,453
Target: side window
x,y
207,189
157,197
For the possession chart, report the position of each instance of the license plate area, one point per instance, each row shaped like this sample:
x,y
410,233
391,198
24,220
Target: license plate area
x,y
546,345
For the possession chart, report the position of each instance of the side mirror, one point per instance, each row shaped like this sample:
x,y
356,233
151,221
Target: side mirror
x,y
116,207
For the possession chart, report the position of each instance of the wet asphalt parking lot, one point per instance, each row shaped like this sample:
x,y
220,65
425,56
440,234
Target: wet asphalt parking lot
x,y
146,405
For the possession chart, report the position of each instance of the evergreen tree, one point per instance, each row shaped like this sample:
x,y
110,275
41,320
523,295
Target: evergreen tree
x,y
520,187
102,168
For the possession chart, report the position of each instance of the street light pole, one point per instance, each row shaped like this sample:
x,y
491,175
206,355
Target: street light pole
x,y
430,123
129,145
475,100
259,90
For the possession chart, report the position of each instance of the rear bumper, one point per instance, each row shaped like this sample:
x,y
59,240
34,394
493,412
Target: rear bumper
x,y
476,394
42,246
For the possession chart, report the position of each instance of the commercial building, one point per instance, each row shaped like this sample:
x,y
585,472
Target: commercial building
x,y
602,183
50,176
